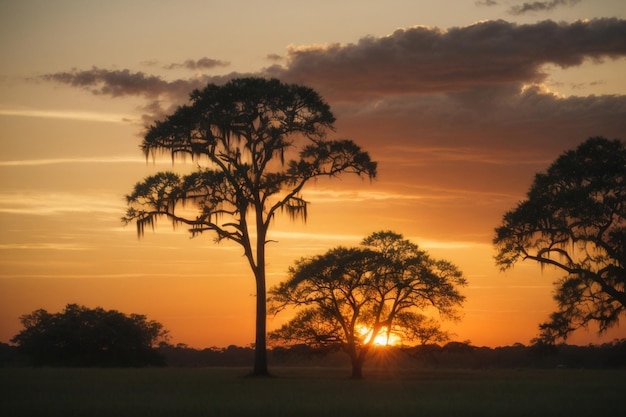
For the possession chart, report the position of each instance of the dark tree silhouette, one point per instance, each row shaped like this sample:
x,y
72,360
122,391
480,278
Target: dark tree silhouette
x,y
80,336
263,141
350,296
574,219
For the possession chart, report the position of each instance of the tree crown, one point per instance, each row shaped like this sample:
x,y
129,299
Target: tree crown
x,y
385,283
262,140
86,337
574,218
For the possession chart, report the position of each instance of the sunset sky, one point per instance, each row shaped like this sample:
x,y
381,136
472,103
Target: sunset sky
x,y
459,102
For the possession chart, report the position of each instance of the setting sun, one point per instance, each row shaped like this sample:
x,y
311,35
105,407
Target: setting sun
x,y
381,339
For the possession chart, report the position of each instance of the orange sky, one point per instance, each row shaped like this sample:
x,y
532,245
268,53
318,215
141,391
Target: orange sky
x,y
459,109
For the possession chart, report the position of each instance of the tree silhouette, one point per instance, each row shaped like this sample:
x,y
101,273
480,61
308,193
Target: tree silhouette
x,y
263,141
80,336
574,219
349,296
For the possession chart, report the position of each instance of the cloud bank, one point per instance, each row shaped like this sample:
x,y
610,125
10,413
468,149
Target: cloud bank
x,y
413,60
476,84
431,60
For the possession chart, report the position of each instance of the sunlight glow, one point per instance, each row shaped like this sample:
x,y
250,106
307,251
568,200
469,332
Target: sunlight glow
x,y
381,339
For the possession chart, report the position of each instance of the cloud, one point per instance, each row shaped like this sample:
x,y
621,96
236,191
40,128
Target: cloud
x,y
200,64
486,3
422,60
163,95
67,114
477,82
51,203
84,160
115,83
540,6
274,57
354,196
473,125
123,83
429,60
43,246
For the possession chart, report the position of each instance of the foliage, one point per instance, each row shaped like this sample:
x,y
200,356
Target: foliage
x,y
349,296
574,219
80,336
263,141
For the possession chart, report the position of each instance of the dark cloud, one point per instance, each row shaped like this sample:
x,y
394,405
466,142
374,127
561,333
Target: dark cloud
x,y
200,64
540,6
119,83
115,83
429,60
163,95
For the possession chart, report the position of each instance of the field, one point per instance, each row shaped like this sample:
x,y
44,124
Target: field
x,y
305,392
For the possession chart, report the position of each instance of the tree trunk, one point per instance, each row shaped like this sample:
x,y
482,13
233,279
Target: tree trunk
x,y
357,358
357,367
260,347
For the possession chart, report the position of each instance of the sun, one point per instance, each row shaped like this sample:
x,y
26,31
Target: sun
x,y
380,339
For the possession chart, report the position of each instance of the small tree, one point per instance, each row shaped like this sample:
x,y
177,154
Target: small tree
x,y
574,219
80,336
263,141
350,296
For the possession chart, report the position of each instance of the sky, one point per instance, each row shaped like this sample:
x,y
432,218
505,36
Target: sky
x,y
460,103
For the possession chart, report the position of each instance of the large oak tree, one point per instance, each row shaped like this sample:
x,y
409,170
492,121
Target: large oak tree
x,y
349,296
574,219
262,141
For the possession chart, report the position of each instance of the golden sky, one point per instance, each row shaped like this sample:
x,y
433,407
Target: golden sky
x,y
460,102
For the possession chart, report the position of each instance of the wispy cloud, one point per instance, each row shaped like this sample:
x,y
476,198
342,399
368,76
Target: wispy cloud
x,y
324,237
43,246
327,240
68,114
355,196
487,3
423,154
199,64
49,203
122,159
540,6
453,245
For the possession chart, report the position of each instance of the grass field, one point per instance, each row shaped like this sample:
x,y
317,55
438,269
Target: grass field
x,y
302,392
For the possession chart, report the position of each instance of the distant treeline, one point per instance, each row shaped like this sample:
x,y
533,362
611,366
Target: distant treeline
x,y
450,355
